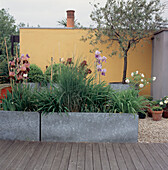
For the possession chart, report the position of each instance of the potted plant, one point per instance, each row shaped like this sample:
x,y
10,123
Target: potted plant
x,y
164,104
157,113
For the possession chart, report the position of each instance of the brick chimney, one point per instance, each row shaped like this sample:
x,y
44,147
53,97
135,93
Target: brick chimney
x,y
70,18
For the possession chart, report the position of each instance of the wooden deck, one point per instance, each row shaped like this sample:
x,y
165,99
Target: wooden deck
x,y
16,155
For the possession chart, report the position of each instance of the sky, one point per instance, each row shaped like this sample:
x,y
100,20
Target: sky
x,y
47,13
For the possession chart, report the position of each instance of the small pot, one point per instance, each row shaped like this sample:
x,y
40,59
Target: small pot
x,y
141,115
165,113
157,115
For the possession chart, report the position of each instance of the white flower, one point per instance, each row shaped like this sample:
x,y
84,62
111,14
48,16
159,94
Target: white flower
x,y
161,103
127,80
154,78
165,101
141,85
142,80
132,74
142,75
24,75
61,59
147,82
136,72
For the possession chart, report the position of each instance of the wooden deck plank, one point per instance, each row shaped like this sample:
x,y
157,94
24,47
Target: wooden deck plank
x,y
36,155
142,157
89,157
50,157
103,157
161,152
5,147
81,156
2,142
111,157
16,160
119,157
164,148
11,154
58,156
9,150
17,155
96,157
43,156
65,159
74,157
156,156
134,157
28,154
128,160
149,157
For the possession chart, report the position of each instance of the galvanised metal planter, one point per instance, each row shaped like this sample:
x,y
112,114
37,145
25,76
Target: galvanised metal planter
x,y
89,127
74,127
19,125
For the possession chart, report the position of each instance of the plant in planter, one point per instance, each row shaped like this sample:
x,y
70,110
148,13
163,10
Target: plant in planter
x,y
138,80
164,104
157,113
152,104
35,74
128,101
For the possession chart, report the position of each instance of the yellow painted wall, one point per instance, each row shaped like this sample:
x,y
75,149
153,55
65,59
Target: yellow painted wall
x,y
42,44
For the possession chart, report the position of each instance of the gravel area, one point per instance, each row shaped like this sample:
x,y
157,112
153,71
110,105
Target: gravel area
x,y
153,131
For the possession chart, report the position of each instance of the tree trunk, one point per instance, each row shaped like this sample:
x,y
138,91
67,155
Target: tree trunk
x,y
125,68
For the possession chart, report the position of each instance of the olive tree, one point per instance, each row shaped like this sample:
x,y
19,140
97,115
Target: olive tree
x,y
127,23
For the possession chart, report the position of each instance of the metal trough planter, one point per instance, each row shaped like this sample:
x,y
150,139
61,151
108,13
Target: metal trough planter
x,y
16,125
90,127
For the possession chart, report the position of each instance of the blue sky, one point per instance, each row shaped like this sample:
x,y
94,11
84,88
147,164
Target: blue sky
x,y
46,13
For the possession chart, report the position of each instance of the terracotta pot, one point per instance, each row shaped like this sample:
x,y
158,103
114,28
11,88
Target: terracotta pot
x,y
157,115
165,113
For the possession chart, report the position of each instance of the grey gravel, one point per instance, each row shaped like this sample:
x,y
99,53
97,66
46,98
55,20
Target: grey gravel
x,y
153,131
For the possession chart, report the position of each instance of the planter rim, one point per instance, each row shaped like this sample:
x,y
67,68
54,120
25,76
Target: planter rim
x,y
116,83
157,112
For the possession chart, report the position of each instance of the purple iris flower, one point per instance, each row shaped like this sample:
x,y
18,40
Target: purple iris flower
x,y
103,72
99,67
27,56
99,59
104,59
97,54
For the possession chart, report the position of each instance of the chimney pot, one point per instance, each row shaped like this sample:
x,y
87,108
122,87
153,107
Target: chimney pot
x,y
70,18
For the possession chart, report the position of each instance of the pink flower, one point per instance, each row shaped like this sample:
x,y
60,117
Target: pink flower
x,y
11,74
23,68
27,65
19,77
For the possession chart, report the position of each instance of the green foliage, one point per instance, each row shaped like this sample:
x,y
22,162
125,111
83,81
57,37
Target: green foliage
x,y
157,108
128,101
4,73
22,98
126,22
75,92
35,74
56,70
7,28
